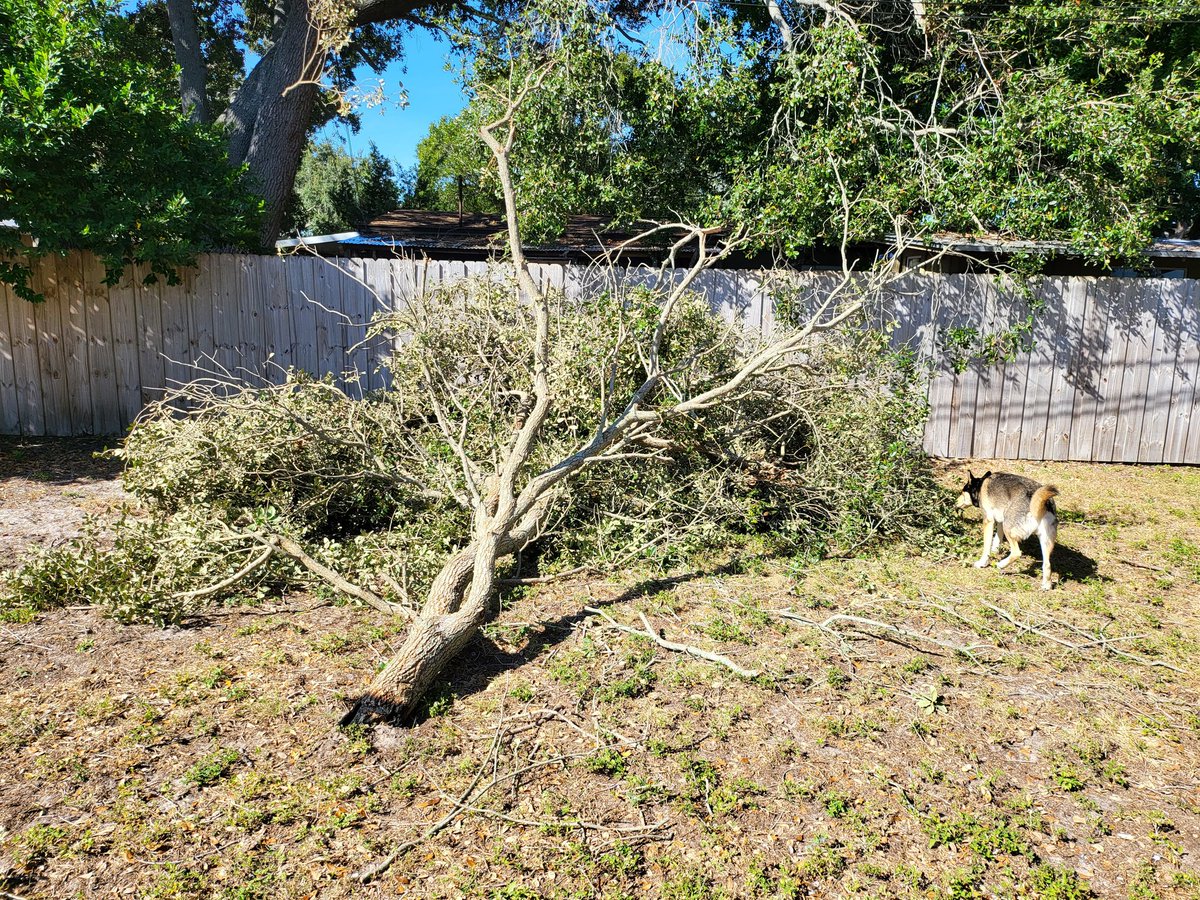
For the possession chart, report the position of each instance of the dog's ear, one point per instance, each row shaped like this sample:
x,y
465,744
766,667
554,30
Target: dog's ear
x,y
970,474
987,474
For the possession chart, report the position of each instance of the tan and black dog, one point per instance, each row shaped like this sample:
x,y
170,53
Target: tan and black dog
x,y
1014,507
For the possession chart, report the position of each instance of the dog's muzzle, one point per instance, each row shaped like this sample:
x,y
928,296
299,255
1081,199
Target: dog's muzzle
x,y
963,501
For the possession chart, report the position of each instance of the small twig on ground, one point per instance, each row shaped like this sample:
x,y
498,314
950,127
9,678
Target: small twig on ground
x,y
1137,565
366,873
825,626
8,635
650,633
621,828
466,801
1023,626
1095,640
232,579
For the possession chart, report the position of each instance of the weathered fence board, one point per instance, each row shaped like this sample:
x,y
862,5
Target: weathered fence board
x,y
1062,394
1086,358
10,413
1184,307
1139,333
1160,377
56,393
25,363
986,414
1111,374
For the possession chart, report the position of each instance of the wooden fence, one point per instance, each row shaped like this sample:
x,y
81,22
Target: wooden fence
x,y
1111,375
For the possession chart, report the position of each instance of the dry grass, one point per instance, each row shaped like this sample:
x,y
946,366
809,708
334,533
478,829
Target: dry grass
x,y
204,762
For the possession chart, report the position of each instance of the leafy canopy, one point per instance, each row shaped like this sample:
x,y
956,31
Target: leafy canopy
x,y
1074,122
95,153
454,168
336,191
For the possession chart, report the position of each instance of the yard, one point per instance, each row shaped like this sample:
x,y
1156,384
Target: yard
x,y
964,735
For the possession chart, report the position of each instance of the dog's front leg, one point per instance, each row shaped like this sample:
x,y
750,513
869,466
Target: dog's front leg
x,y
989,528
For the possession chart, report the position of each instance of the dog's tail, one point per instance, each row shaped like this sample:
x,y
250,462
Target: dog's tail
x,y
1041,498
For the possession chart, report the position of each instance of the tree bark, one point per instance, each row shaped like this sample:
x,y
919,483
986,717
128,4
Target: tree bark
x,y
269,117
458,603
193,73
270,114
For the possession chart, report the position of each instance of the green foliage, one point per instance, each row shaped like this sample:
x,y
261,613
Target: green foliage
x,y
1058,884
1085,136
95,153
455,169
986,838
224,32
1068,777
692,885
439,701
930,700
610,131
212,768
1071,122
607,762
637,683
335,191
826,859
836,803
807,459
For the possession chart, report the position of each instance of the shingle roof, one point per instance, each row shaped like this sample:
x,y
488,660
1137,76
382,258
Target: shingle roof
x,y
423,230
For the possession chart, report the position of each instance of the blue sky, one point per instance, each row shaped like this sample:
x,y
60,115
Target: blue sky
x,y
432,92
422,88
427,76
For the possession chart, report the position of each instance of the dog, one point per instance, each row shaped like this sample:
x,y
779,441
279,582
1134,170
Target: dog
x,y
1014,507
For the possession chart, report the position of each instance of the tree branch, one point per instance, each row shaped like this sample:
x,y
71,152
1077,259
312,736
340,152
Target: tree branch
x,y
193,70
650,633
294,550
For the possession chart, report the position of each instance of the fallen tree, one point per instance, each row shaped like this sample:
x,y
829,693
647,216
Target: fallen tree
x,y
513,487
520,421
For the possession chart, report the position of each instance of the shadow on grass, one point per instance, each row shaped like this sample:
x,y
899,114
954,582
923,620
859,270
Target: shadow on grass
x,y
1069,563
58,461
484,660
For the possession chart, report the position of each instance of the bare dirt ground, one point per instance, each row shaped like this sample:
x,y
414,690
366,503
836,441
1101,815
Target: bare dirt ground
x,y
48,487
921,729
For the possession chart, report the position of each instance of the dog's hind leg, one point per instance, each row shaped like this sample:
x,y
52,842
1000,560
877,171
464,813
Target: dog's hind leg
x,y
1047,532
989,529
1014,552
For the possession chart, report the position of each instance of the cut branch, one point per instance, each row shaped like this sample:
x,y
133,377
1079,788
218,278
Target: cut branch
x,y
650,633
233,579
826,626
294,550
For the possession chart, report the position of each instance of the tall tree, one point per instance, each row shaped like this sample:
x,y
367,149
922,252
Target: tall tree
x,y
336,191
193,79
1075,123
301,45
94,151
453,169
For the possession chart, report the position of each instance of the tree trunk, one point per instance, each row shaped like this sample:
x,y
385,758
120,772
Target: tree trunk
x,y
269,117
193,75
458,603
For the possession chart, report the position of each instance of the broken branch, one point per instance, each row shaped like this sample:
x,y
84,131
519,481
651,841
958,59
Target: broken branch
x,y
650,633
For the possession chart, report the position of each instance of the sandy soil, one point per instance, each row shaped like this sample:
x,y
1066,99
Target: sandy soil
x,y
1055,754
